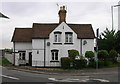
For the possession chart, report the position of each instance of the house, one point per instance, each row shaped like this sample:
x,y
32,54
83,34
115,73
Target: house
x,y
44,44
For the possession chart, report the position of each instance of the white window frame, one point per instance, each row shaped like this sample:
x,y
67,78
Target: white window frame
x,y
68,37
54,54
57,38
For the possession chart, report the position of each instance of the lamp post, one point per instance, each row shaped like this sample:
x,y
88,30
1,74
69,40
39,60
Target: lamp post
x,y
112,14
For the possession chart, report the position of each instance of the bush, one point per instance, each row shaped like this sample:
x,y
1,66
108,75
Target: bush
x,y
82,63
73,54
113,55
102,54
107,63
89,54
65,62
100,63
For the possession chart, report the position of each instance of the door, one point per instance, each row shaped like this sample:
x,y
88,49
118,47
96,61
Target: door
x,y
30,58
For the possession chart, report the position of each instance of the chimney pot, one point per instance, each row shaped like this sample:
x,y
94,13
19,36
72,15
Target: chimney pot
x,y
62,14
63,7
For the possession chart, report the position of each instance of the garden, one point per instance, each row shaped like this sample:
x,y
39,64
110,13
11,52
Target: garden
x,y
75,61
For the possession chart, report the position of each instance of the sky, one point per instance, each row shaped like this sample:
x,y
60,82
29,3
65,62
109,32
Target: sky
x,y
23,14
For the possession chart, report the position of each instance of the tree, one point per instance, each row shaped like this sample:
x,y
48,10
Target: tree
x,y
117,42
108,40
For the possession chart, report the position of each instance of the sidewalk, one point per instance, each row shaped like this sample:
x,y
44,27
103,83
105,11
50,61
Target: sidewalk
x,y
59,71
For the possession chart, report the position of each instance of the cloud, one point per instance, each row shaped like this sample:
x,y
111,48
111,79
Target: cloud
x,y
24,14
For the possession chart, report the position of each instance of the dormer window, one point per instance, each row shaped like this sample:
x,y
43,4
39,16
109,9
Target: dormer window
x,y
57,37
68,37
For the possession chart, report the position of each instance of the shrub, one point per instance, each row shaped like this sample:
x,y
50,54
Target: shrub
x,y
101,63
73,54
113,54
89,54
82,63
107,63
92,64
65,62
102,54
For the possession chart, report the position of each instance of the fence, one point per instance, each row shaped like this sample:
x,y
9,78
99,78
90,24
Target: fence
x,y
40,63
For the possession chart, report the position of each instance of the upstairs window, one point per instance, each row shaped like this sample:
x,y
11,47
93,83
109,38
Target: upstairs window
x,y
68,37
57,37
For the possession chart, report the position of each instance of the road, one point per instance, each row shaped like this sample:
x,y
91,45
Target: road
x,y
9,75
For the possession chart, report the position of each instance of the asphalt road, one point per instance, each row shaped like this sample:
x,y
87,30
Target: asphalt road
x,y
9,75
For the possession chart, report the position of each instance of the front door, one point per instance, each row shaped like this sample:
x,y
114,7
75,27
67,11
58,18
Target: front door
x,y
30,58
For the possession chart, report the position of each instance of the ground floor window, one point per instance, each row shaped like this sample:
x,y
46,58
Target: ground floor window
x,y
22,55
54,55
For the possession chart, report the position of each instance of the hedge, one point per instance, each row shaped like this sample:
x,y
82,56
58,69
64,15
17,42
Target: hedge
x,y
65,62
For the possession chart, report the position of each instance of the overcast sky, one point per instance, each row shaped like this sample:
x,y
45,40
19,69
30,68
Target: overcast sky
x,y
24,14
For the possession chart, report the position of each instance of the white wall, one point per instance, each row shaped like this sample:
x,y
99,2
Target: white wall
x,y
22,46
119,16
38,59
87,47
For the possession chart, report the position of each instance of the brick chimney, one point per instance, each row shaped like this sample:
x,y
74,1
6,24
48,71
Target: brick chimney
x,y
62,14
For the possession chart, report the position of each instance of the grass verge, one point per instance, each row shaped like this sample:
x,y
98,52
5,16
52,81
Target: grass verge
x,y
4,62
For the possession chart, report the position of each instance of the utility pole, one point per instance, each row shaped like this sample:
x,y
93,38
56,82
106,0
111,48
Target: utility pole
x,y
97,33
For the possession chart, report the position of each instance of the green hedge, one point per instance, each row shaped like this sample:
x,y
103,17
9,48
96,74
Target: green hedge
x,y
113,54
89,54
65,62
78,64
73,54
103,54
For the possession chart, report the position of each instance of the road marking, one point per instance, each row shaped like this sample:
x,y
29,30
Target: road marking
x,y
101,80
9,77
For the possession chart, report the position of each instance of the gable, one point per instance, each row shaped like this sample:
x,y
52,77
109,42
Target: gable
x,y
42,30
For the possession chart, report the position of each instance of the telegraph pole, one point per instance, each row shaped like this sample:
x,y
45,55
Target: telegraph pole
x,y
97,33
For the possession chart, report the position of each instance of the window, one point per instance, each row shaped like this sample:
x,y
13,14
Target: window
x,y
37,51
68,37
22,55
54,55
57,36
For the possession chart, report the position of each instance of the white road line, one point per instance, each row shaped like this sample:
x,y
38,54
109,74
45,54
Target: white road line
x,y
9,77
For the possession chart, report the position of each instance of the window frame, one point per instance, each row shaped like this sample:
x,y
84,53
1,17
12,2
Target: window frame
x,y
68,37
57,37
54,55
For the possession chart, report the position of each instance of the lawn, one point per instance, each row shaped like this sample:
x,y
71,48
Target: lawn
x,y
4,62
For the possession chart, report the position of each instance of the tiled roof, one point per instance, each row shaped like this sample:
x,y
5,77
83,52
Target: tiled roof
x,y
43,30
22,35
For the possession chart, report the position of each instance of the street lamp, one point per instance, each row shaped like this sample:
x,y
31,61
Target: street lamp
x,y
112,14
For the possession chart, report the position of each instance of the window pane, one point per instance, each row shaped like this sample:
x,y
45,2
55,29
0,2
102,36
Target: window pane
x,y
23,56
55,38
66,37
56,55
52,55
70,38
59,37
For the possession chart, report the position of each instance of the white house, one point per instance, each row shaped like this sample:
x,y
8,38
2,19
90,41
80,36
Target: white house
x,y
119,16
44,44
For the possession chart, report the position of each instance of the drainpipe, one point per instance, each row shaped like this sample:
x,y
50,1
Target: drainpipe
x,y
81,47
14,54
44,51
